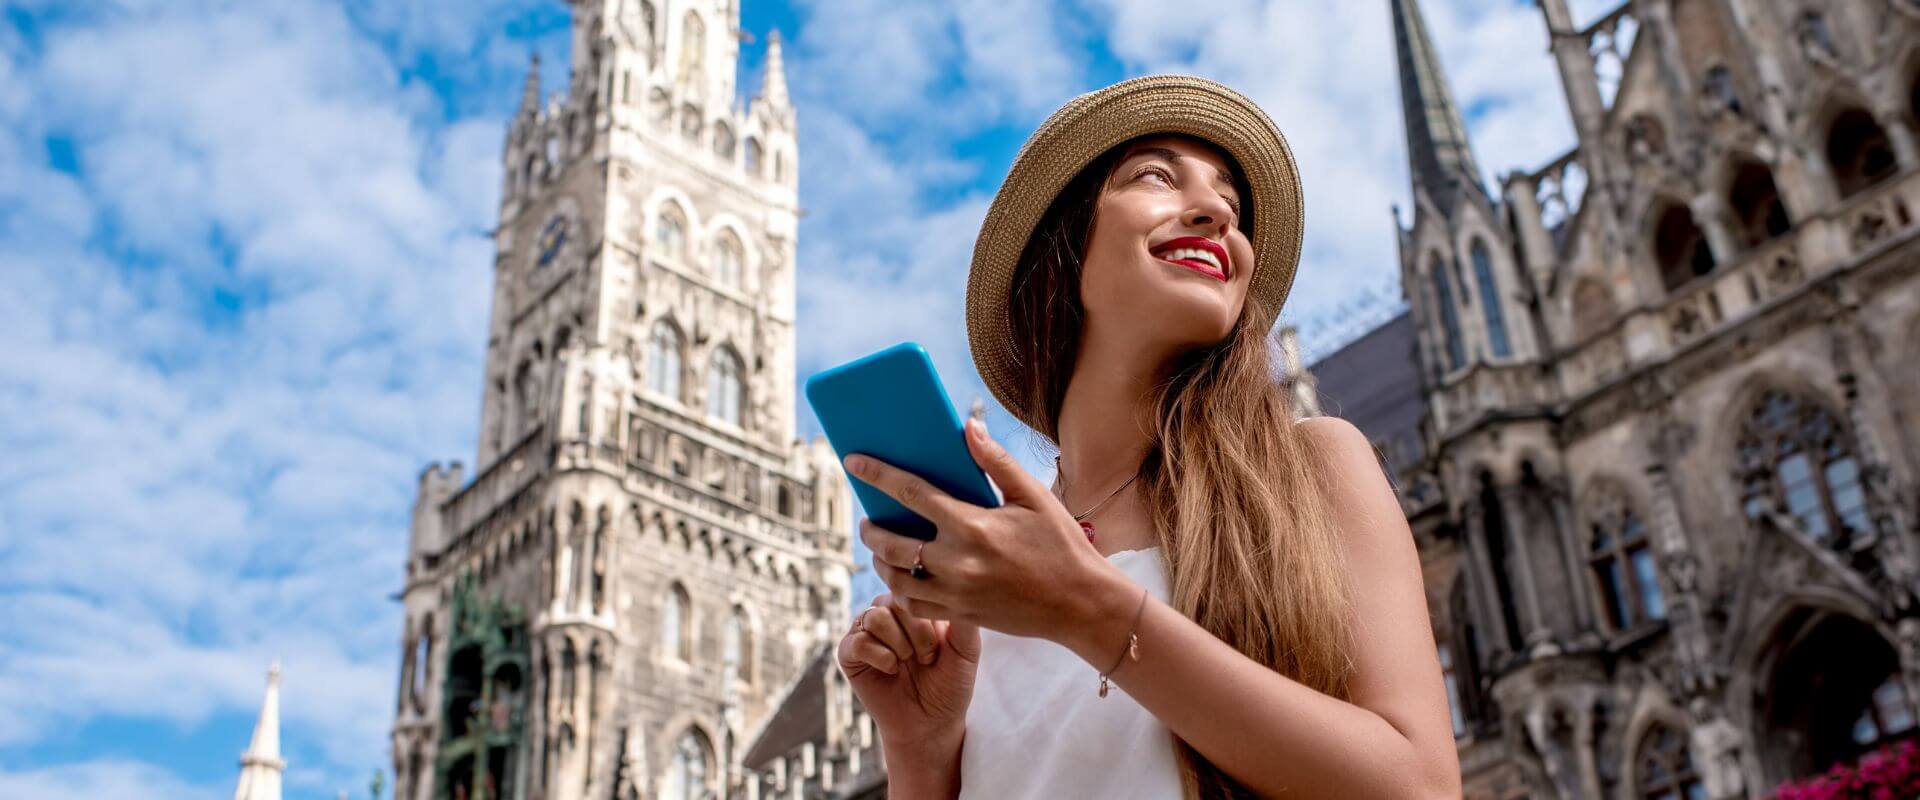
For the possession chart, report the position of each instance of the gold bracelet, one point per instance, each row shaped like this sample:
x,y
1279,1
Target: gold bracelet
x,y
1133,644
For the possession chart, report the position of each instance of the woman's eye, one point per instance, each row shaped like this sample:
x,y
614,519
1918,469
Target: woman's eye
x,y
1156,172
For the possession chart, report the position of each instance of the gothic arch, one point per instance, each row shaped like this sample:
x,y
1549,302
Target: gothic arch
x,y
1724,435
1677,243
1652,710
665,194
1753,197
1773,651
679,725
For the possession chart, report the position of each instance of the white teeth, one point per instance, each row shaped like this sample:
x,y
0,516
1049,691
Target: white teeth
x,y
1194,254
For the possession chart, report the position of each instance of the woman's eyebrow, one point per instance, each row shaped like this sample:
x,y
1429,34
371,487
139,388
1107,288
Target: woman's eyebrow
x,y
1219,176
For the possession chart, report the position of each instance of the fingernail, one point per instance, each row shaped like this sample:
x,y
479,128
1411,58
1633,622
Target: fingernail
x,y
855,464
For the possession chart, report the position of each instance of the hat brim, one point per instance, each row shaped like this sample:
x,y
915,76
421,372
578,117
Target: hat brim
x,y
1073,137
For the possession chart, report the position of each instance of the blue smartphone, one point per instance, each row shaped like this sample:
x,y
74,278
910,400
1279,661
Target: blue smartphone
x,y
892,406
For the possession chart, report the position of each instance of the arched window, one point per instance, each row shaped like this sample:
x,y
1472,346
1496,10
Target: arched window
x,y
1449,316
663,360
687,775
598,589
753,153
675,615
691,121
727,260
723,387
1859,152
1623,565
1756,204
569,664
738,653
723,141
779,166
422,664
1679,247
1795,455
1664,767
693,47
1490,300
670,232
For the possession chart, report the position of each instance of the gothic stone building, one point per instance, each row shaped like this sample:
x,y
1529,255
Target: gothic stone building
x,y
1654,410
647,561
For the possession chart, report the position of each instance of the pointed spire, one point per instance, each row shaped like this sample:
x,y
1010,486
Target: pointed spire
x,y
530,94
1436,137
260,766
773,83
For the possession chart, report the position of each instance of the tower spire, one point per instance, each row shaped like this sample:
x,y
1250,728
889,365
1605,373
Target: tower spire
x,y
773,84
1437,143
530,94
260,766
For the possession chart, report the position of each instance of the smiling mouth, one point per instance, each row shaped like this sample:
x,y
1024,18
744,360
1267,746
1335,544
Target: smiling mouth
x,y
1201,255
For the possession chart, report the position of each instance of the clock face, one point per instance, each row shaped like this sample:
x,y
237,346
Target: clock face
x,y
552,238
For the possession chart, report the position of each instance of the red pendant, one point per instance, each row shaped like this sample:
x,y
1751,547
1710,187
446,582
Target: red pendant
x,y
1088,527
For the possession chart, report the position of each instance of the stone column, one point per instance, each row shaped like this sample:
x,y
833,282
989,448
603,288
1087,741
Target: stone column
x,y
1513,510
1573,546
1494,617
1906,146
1710,212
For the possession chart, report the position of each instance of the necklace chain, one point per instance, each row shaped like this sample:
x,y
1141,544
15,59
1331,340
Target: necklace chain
x,y
1097,506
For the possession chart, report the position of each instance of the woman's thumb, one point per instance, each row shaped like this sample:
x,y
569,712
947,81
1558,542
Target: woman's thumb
x,y
963,638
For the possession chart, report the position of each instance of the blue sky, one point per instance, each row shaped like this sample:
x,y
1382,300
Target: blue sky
x,y
246,273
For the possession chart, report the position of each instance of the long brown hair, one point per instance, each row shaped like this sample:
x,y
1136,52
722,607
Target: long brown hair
x,y
1237,501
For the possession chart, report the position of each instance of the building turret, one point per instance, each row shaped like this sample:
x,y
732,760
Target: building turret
x,y
261,765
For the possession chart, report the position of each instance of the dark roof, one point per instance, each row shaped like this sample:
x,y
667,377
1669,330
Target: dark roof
x,y
800,717
1374,383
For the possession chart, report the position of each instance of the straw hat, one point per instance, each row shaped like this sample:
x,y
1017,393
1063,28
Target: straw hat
x,y
1078,133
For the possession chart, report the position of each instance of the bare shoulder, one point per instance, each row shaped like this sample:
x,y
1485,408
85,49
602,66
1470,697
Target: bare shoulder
x,y
1363,500
1339,443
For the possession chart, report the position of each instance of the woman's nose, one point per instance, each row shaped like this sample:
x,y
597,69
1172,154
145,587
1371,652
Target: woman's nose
x,y
1207,210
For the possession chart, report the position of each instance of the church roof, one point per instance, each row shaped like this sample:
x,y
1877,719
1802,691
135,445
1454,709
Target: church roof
x,y
800,717
1374,383
1437,146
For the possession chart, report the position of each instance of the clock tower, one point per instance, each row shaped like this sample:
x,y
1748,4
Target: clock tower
x,y
646,556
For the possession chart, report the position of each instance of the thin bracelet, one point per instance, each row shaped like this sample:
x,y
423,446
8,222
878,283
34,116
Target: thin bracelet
x,y
1133,644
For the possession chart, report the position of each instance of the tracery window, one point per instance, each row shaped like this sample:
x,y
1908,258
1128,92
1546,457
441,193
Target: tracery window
x,y
1665,767
1756,204
670,233
738,650
1797,455
1449,316
724,387
1859,151
1888,715
675,640
1623,565
663,360
727,259
687,775
1490,301
1453,692
1680,247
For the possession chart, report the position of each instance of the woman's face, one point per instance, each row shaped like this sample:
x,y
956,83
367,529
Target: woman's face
x,y
1167,260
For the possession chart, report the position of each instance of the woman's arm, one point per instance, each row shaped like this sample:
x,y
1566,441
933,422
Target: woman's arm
x,y
922,769
1271,733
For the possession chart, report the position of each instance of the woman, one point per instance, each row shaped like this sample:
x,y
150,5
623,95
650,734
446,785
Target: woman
x,y
1251,589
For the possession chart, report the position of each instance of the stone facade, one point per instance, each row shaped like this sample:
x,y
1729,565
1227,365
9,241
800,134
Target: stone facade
x,y
647,560
1661,470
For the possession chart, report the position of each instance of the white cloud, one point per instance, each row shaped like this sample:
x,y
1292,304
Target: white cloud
x,y
95,779
196,488
195,485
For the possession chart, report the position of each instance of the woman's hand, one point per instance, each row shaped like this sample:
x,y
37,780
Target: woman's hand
x,y
915,676
1023,569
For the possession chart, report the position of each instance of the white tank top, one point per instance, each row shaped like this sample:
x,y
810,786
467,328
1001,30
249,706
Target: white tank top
x,y
1038,728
